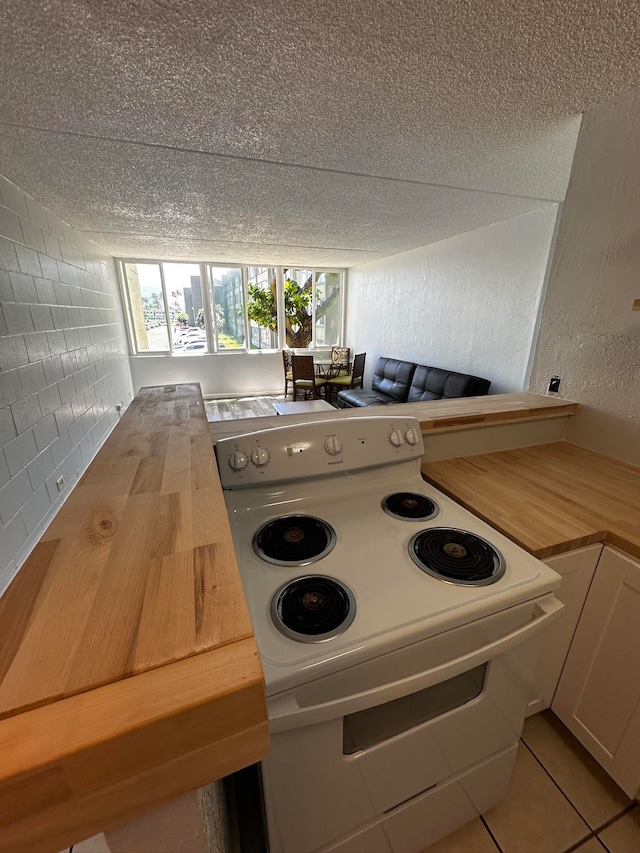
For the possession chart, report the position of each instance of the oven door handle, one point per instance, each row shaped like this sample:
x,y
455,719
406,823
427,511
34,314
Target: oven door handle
x,y
286,713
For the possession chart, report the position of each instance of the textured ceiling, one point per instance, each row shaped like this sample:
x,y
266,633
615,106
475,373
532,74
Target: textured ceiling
x,y
319,131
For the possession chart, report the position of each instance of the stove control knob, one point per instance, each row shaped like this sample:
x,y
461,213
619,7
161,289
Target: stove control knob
x,y
395,437
238,460
260,457
411,437
333,446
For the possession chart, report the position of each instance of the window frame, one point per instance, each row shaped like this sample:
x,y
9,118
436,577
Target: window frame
x,y
209,305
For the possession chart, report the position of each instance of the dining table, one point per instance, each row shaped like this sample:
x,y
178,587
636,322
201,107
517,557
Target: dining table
x,y
325,368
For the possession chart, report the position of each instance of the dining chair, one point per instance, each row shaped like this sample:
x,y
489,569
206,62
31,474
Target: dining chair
x,y
352,380
340,357
288,374
304,377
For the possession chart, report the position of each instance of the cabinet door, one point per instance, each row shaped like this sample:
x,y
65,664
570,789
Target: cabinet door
x,y
598,697
576,569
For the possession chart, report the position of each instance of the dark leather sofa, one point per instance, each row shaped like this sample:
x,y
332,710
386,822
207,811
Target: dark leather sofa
x,y
396,381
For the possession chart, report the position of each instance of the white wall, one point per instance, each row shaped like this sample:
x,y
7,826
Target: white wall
x,y
223,375
63,366
468,303
588,333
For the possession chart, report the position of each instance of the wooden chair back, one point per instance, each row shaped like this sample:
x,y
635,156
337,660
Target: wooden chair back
x,y
358,369
304,376
288,374
340,357
303,367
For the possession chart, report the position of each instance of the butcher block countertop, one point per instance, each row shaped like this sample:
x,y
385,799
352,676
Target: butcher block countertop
x,y
549,498
435,416
128,668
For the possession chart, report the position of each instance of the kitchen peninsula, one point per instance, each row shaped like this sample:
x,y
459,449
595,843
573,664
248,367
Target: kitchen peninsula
x,y
129,673
128,669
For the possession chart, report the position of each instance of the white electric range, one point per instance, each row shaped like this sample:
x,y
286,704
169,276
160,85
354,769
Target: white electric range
x,y
394,627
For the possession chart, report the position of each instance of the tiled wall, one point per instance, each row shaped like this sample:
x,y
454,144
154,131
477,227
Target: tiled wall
x,y
63,366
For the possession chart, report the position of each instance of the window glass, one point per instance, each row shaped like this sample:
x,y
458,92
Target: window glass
x,y
262,308
227,307
148,315
298,307
186,309
171,308
328,316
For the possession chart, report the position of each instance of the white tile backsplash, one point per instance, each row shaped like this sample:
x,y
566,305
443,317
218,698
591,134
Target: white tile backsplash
x,y
45,432
28,260
8,429
5,474
33,236
49,399
10,387
14,495
35,509
8,256
18,317
6,291
10,225
40,468
24,287
13,351
20,452
63,366
26,412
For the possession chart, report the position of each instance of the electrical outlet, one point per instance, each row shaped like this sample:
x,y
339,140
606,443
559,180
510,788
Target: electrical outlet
x,y
554,384
60,483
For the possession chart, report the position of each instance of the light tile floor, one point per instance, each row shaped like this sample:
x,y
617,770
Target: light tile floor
x,y
559,801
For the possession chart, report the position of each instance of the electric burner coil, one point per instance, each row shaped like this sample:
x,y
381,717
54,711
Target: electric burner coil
x,y
313,608
294,540
456,556
410,506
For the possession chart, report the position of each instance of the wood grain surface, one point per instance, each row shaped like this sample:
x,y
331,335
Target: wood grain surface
x,y
434,416
548,498
75,767
135,576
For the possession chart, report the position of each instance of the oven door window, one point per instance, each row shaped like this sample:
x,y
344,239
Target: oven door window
x,y
375,725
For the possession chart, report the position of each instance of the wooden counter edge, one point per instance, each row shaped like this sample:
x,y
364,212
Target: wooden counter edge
x,y
80,765
473,421
484,411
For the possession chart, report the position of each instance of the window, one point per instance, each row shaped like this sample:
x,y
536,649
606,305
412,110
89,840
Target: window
x,y
186,309
147,309
226,301
262,285
328,309
190,308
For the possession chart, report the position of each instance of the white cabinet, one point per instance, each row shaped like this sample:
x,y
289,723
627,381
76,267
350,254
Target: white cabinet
x,y
576,569
598,697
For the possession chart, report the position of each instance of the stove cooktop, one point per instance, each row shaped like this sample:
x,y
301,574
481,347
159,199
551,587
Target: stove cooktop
x,y
395,602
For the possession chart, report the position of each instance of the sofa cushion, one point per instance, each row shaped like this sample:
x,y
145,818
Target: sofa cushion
x,y
392,378
426,383
435,383
351,397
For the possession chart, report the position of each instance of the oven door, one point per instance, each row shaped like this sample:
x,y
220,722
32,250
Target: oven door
x,y
350,750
